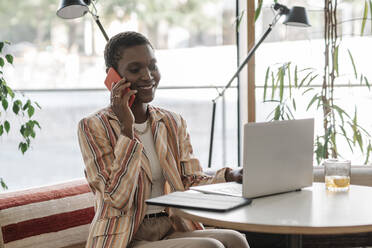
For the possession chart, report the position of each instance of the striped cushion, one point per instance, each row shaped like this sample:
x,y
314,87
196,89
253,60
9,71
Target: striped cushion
x,y
51,216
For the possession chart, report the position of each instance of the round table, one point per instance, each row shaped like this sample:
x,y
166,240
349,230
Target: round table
x,y
313,210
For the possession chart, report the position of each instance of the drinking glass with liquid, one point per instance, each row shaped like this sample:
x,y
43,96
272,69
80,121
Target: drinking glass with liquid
x,y
337,174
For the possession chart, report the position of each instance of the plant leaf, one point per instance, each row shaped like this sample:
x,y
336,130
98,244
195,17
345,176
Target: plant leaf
x,y
10,91
37,104
266,79
257,12
1,46
26,105
294,104
3,185
238,20
281,86
367,83
312,101
352,62
365,15
7,126
291,114
289,78
30,111
5,104
370,8
303,80
36,123
369,150
303,93
311,79
277,113
296,78
340,112
347,139
335,60
23,147
16,108
1,62
9,58
1,129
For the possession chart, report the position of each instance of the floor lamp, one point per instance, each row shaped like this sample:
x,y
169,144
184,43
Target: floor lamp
x,y
294,17
71,9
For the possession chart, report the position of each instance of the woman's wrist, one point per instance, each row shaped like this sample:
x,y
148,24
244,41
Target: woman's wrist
x,y
228,174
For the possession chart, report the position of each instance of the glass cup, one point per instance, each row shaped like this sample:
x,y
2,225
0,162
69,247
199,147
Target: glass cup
x,y
337,175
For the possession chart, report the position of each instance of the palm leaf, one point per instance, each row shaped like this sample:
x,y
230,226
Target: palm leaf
x,y
281,83
277,113
272,85
266,79
340,112
289,79
370,10
257,12
347,139
291,114
311,79
312,101
352,62
335,60
303,93
367,83
296,77
303,80
369,150
365,15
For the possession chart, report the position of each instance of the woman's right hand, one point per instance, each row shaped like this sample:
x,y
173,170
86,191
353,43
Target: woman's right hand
x,y
119,104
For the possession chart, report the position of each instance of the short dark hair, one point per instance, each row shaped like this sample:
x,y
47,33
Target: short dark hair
x,y
116,45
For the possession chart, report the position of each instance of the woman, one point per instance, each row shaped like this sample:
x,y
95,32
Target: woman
x,y
139,152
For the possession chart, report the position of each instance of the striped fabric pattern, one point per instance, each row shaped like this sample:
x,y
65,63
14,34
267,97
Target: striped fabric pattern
x,y
119,173
51,216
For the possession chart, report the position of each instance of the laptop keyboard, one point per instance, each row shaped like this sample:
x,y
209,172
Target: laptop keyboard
x,y
193,200
232,190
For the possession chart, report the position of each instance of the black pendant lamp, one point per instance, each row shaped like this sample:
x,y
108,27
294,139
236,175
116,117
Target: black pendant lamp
x,y
297,17
71,9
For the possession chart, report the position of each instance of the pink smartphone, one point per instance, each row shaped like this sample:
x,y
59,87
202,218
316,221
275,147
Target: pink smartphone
x,y
112,78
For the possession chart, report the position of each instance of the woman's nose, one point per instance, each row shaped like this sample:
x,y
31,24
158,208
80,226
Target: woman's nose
x,y
146,74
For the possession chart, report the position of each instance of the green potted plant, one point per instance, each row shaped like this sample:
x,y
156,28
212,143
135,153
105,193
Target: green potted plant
x,y
11,102
337,122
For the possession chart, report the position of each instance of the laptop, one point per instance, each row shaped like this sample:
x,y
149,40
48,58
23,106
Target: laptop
x,y
278,158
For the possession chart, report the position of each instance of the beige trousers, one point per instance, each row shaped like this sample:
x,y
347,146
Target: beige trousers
x,y
158,233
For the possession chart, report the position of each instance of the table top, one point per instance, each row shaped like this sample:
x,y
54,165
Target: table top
x,y
312,210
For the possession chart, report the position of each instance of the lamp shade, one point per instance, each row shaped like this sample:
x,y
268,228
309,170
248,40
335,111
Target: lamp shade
x,y
297,17
70,9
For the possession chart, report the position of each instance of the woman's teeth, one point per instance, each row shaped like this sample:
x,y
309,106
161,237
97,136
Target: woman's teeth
x,y
145,87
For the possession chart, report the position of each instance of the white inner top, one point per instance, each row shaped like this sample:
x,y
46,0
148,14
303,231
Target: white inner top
x,y
157,176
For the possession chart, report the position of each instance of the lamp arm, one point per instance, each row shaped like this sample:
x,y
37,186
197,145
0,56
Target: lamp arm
x,y
250,54
96,19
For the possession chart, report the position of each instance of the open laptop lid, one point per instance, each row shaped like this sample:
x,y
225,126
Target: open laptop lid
x,y
278,156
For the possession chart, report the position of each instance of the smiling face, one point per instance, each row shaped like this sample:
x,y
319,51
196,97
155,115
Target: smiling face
x,y
138,66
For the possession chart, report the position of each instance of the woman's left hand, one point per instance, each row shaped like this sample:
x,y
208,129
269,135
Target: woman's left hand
x,y
234,175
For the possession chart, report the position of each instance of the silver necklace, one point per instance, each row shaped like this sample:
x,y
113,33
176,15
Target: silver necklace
x,y
145,130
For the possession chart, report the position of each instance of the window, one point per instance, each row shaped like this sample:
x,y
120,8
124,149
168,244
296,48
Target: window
x,y
305,48
59,63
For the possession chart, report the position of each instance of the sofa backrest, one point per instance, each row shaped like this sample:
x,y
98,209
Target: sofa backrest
x,y
52,216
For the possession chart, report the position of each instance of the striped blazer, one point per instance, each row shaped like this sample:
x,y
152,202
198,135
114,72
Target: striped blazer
x,y
119,174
